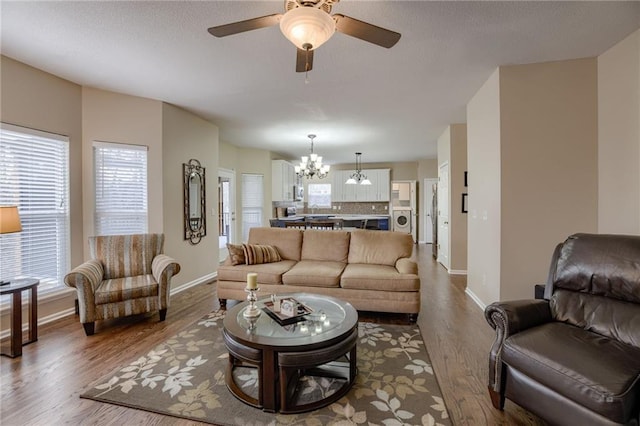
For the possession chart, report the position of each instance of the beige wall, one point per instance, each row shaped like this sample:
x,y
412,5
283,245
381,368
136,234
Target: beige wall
x,y
38,100
484,167
118,118
452,149
35,99
457,219
619,138
184,137
532,152
247,160
549,165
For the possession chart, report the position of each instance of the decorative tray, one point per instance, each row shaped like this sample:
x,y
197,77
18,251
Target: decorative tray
x,y
284,319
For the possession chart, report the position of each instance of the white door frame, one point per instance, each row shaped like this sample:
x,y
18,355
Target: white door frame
x,y
427,234
231,175
444,240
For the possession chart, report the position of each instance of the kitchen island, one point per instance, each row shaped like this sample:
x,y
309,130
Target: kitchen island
x,y
350,221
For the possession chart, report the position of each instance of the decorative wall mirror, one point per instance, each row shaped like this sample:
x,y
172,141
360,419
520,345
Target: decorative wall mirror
x,y
195,223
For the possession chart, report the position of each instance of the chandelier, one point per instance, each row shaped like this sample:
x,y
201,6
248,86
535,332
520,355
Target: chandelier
x,y
312,165
357,176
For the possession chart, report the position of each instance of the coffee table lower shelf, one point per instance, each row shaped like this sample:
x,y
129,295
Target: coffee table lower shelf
x,y
281,366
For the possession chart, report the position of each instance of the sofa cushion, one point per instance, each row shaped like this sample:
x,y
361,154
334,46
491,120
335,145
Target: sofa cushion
x,y
325,245
121,289
378,277
255,254
287,241
593,370
268,273
236,254
379,247
314,273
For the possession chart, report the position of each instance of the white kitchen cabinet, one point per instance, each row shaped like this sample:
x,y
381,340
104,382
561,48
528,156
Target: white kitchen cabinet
x,y
378,190
336,186
383,185
283,180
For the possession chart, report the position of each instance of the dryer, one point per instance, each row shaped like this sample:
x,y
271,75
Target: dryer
x,y
402,221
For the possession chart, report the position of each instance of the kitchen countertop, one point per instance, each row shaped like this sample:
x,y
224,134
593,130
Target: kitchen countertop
x,y
336,216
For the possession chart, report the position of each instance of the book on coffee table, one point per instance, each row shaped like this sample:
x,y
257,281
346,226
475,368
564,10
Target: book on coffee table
x,y
284,319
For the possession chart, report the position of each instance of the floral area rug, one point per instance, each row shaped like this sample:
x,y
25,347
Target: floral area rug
x,y
184,377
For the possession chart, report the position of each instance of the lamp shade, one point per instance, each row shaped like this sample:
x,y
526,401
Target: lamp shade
x,y
307,27
9,220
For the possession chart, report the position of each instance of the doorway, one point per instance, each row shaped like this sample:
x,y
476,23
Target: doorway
x,y
427,235
443,215
226,211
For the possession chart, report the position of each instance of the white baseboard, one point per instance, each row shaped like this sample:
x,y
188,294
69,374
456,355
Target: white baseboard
x,y
475,298
457,272
41,321
203,279
71,311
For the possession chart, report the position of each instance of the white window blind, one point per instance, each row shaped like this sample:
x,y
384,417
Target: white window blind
x,y
120,188
319,195
252,203
34,175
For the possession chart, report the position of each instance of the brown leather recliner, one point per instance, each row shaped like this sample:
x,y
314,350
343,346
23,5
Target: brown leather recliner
x,y
574,358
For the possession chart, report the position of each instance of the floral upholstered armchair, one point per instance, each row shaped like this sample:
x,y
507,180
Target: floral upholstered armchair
x,y
127,275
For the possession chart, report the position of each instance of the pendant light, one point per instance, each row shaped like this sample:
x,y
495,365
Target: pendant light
x,y
357,176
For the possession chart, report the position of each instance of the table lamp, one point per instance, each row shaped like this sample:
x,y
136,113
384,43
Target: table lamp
x,y
9,223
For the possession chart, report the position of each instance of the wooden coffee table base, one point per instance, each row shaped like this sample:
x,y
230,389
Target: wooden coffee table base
x,y
318,363
280,372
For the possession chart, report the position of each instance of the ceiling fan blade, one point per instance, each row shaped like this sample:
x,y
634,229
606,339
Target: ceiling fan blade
x,y
367,32
304,60
248,25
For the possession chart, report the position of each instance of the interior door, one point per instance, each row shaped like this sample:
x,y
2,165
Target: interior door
x,y
426,205
443,215
226,211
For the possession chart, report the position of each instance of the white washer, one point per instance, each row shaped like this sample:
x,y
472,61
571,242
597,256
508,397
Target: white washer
x,y
402,221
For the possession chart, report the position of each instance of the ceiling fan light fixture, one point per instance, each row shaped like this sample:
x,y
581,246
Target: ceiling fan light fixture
x,y
307,27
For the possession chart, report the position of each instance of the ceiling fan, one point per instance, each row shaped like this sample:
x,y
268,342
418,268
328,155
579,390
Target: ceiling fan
x,y
307,24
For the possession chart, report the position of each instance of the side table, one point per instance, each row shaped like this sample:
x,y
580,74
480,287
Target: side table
x,y
15,289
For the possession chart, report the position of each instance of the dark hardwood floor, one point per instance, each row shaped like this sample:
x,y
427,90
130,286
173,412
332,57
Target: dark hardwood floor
x,y
43,386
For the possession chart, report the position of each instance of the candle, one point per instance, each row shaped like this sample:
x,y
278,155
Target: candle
x,y
252,281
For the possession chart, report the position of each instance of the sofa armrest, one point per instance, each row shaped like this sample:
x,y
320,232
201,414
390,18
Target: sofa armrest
x,y
509,318
86,278
406,266
163,268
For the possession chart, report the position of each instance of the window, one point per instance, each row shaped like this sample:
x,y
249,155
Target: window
x,y
252,202
121,188
34,175
319,195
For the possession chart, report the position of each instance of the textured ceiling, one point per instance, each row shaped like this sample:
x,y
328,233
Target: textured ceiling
x,y
390,104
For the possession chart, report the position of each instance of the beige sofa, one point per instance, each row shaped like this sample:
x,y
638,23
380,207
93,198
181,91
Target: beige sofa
x,y
371,270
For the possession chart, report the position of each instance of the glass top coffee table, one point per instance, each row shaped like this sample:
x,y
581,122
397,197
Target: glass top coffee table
x,y
323,344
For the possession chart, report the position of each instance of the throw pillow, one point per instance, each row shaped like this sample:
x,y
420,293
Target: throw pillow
x,y
256,254
236,254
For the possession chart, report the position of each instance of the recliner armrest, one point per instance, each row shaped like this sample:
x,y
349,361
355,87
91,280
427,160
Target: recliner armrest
x,y
509,318
517,315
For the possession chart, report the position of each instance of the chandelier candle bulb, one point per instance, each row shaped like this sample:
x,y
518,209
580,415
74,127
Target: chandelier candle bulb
x,y
252,281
